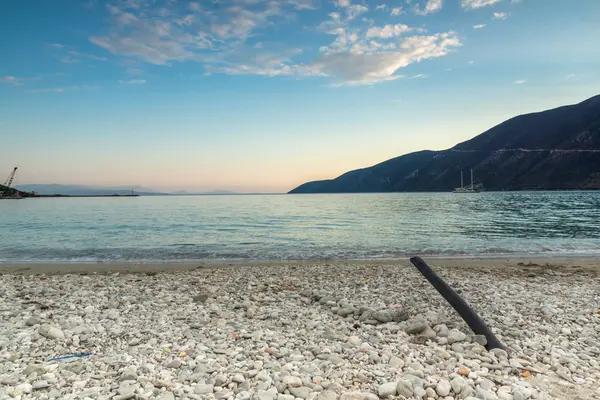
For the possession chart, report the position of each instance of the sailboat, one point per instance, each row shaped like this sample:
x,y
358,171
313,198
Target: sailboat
x,y
466,189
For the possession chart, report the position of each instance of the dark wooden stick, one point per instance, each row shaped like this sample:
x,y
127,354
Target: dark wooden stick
x,y
463,309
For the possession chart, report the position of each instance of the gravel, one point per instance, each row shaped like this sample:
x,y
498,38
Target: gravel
x,y
324,332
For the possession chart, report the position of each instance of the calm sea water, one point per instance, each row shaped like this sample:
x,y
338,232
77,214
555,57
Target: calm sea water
x,y
299,227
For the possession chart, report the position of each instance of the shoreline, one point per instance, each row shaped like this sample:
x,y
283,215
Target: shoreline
x,y
585,264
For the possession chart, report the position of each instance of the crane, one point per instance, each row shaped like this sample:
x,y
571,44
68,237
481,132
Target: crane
x,y
11,178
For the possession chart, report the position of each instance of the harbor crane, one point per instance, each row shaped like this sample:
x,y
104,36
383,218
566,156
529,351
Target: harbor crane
x,y
11,178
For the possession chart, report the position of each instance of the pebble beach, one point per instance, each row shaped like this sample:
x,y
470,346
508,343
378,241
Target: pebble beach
x,y
283,331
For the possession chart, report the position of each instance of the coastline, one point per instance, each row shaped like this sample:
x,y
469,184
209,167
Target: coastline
x,y
567,262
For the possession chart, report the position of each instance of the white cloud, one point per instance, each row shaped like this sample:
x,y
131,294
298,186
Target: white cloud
x,y
520,82
480,26
396,11
571,76
472,4
11,80
355,10
387,31
431,6
342,3
420,76
355,68
230,39
53,90
381,7
133,82
500,15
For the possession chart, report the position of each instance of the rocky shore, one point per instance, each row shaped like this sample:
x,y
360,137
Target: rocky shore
x,y
350,331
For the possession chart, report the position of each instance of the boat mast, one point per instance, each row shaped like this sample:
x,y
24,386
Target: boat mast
x,y
471,178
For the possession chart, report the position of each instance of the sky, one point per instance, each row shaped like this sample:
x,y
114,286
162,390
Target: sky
x,y
263,95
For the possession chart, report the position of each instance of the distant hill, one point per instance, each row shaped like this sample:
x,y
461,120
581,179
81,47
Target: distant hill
x,y
554,149
81,190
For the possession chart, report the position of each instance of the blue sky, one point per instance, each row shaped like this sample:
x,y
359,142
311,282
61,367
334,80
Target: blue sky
x,y
262,95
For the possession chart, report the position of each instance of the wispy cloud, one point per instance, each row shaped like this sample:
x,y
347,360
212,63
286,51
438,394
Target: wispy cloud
x,y
387,31
473,4
571,76
229,39
369,67
46,90
133,82
431,6
520,82
500,15
68,55
480,26
11,80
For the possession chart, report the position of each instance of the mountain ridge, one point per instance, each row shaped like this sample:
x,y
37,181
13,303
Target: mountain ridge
x,y
547,150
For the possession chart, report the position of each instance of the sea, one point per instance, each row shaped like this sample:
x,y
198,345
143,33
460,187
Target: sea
x,y
299,227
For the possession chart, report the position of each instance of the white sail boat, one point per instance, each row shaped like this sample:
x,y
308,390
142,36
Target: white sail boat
x,y
466,189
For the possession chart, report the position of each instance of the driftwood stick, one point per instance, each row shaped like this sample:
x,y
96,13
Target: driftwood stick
x,y
463,309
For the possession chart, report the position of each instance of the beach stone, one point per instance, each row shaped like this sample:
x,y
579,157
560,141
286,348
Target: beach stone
x,y
499,353
503,393
399,315
387,389
485,394
51,332
202,388
24,388
456,336
335,360
300,392
428,333
292,381
39,385
486,384
416,327
443,388
479,339
419,392
366,315
129,374
564,373
220,380
404,388
354,340
327,395
201,298
458,384
382,316
125,396
176,363
396,362
344,312
238,378
167,396
161,383
430,392
33,321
